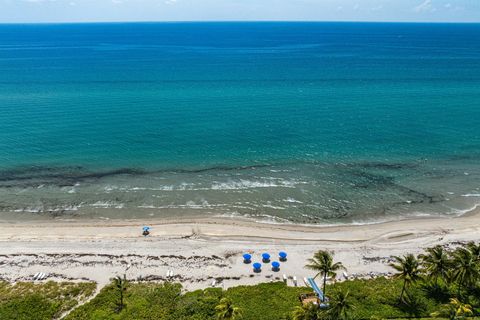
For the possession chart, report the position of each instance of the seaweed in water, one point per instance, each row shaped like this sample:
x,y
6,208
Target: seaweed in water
x,y
385,165
68,176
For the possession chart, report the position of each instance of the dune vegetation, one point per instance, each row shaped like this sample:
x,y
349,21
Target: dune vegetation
x,y
27,301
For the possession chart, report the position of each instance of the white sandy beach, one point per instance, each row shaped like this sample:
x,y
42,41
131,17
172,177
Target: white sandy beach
x,y
199,251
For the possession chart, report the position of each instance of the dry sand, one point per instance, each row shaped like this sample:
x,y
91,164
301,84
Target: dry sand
x,y
199,251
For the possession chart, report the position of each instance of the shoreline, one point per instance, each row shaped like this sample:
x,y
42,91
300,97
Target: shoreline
x,y
200,250
48,222
13,217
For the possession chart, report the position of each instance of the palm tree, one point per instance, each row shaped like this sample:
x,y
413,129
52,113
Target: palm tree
x,y
408,270
475,250
306,312
121,286
340,306
227,311
322,262
454,310
436,263
465,269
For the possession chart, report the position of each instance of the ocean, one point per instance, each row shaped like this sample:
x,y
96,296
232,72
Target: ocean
x,y
314,123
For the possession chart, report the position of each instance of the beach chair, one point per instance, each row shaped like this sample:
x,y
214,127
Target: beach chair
x,y
42,276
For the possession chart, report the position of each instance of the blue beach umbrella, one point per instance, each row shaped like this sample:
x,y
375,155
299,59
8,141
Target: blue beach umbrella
x,y
282,255
146,231
247,258
257,267
265,257
275,265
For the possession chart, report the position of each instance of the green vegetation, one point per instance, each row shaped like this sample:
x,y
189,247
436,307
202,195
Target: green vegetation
x,y
26,300
166,301
341,306
227,311
408,270
454,310
439,283
436,263
355,299
121,286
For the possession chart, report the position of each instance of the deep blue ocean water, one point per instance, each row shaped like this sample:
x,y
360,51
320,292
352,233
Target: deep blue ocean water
x,y
308,122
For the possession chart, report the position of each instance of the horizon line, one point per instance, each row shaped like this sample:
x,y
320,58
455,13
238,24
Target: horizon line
x,y
238,21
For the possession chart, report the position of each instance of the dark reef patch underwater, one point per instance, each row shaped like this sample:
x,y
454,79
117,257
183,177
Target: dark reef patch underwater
x,y
303,192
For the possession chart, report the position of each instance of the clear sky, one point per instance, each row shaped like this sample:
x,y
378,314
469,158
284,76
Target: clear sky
x,y
208,10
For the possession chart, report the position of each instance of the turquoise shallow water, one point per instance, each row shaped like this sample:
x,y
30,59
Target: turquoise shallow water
x,y
305,122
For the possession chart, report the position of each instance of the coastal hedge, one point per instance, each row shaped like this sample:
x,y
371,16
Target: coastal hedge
x,y
266,300
373,299
26,300
166,301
